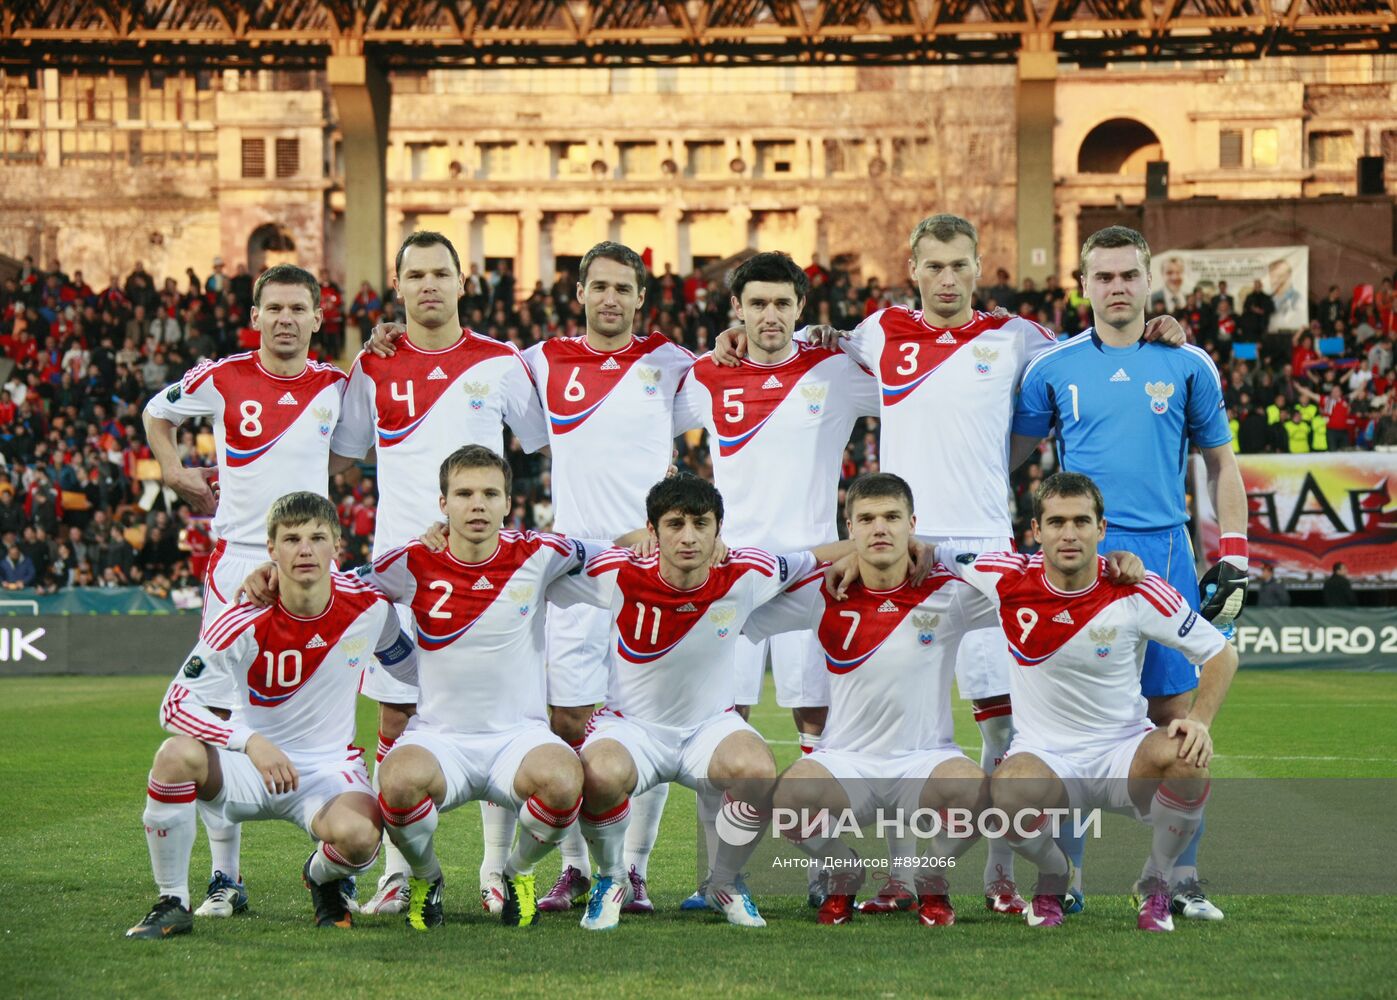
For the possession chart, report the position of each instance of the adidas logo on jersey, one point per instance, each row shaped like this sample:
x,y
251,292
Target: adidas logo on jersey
x,y
887,606
946,338
686,606
437,374
316,642
609,365
1063,618
287,400
772,382
483,584
1120,376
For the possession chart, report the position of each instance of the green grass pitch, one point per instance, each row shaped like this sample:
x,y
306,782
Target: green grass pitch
x,y
74,874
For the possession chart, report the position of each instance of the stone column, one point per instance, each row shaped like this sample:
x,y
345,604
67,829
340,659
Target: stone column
x,y
361,95
1036,116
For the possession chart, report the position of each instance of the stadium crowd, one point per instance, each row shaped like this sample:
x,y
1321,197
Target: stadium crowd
x,y
80,502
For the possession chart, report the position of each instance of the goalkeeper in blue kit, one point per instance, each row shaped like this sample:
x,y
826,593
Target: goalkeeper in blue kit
x,y
1126,412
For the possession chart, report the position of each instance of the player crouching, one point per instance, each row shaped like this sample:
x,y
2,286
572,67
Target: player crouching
x,y
669,706
890,647
481,728
263,717
1084,738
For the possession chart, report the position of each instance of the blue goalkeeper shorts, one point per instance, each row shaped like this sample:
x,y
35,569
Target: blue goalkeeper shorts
x,y
1168,554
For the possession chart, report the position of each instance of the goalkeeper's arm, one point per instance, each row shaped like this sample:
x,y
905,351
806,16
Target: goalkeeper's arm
x,y
1224,586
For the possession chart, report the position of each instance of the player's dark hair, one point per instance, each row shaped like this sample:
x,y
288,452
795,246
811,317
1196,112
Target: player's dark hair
x,y
287,274
301,507
1068,484
685,493
877,486
943,228
618,252
425,238
1112,237
475,456
774,267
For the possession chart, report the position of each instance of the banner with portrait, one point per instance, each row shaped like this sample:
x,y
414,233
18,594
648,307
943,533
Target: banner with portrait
x,y
1284,273
1309,512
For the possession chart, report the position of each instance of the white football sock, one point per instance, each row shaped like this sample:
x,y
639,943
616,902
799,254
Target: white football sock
x,y
996,733
540,829
225,842
497,826
1175,820
170,829
393,861
606,836
412,830
744,819
327,864
646,812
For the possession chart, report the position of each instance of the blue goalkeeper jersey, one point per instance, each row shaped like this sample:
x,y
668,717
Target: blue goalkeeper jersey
x,y
1126,416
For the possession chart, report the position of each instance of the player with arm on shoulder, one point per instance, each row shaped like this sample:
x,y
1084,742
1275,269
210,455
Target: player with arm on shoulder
x,y
1108,386
889,649
783,415
445,386
481,728
262,717
272,412
1084,738
612,408
669,713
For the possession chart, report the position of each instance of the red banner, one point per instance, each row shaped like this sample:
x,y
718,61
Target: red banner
x,y
1310,511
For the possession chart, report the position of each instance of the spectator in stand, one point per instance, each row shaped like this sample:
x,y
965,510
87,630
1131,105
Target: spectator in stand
x,y
218,281
1338,588
1336,411
1330,311
16,569
1270,592
1256,313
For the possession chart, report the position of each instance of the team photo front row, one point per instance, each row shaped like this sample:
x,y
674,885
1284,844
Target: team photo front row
x,y
262,712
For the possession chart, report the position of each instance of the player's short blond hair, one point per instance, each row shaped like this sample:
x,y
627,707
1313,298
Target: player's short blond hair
x,y
943,228
301,507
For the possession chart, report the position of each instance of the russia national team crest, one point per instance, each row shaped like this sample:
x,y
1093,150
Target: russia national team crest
x,y
1103,637
326,418
1159,395
521,595
476,393
814,397
926,627
984,357
354,651
722,616
649,378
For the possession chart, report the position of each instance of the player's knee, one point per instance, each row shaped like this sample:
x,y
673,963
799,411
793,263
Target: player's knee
x,y
799,793
606,776
404,775
557,780
180,758
742,760
1012,787
1181,772
357,839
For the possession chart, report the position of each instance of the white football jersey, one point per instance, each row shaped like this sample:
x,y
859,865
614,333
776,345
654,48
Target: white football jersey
x,y
612,420
947,405
891,656
293,680
480,626
419,406
1076,683
784,424
272,434
672,662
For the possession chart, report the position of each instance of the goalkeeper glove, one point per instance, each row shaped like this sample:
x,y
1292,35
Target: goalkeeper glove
x,y
1224,590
